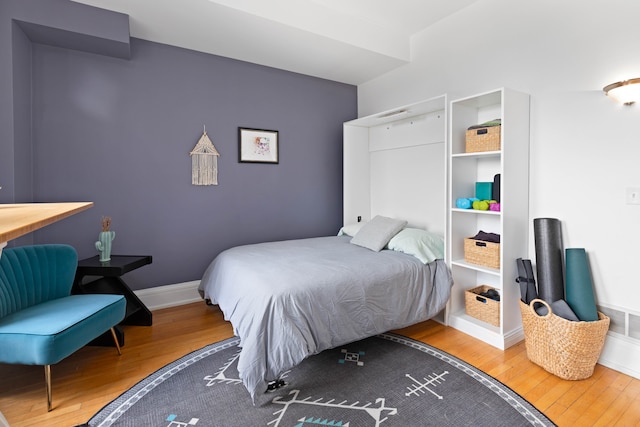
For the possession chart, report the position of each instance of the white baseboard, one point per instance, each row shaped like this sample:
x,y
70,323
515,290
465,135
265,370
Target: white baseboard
x,y
170,295
619,353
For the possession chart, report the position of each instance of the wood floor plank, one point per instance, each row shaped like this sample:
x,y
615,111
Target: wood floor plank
x,y
593,395
621,412
600,406
623,394
93,376
547,393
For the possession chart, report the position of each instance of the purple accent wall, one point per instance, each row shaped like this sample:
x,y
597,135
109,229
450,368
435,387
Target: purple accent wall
x,y
118,132
22,115
56,22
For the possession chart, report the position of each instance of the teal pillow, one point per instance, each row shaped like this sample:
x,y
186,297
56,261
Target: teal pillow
x,y
376,233
422,244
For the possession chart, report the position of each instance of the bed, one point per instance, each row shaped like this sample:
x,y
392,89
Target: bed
x,y
291,299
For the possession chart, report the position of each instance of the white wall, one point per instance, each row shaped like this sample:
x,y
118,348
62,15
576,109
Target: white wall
x,y
585,148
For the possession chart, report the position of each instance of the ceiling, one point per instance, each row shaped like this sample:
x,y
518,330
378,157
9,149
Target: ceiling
x,y
350,41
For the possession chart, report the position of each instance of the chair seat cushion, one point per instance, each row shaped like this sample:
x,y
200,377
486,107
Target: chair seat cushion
x,y
48,332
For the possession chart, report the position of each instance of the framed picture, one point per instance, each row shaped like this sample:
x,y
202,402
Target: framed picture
x,y
257,145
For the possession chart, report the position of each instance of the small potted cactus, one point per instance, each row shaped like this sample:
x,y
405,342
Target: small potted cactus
x,y
106,236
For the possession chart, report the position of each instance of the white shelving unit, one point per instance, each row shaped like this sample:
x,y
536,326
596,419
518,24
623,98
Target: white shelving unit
x,y
465,169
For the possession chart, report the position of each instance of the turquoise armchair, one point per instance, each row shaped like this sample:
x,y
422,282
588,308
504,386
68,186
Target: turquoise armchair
x,y
41,323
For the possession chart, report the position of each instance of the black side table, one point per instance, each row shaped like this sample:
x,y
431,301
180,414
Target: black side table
x,y
109,282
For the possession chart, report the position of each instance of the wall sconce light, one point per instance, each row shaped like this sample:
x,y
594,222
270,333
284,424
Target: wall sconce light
x,y
627,91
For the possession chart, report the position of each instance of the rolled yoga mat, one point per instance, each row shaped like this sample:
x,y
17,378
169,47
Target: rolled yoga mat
x,y
580,295
559,308
549,250
532,292
526,280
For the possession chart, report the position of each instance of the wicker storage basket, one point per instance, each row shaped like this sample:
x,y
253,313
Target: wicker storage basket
x,y
482,308
564,348
482,253
483,139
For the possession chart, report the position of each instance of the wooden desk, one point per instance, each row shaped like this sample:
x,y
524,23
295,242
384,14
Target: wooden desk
x,y
19,219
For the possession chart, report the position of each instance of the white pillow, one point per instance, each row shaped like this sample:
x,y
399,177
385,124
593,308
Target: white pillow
x,y
376,233
422,244
351,229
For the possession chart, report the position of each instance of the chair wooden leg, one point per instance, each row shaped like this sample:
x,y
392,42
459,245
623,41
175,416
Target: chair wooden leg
x,y
47,371
115,339
47,380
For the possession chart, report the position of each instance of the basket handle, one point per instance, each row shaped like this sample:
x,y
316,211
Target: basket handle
x,y
482,131
543,302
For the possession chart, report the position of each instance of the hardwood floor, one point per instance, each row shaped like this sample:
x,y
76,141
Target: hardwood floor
x,y
92,377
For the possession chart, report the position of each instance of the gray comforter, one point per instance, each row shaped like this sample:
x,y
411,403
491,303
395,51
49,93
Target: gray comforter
x,y
292,299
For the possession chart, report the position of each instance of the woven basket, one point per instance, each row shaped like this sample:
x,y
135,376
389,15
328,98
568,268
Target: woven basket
x,y
482,308
562,347
483,139
482,253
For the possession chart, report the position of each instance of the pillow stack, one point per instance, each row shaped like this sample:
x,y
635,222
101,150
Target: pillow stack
x,y
389,233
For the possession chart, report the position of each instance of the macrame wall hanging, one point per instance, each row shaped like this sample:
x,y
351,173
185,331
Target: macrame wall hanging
x,y
204,162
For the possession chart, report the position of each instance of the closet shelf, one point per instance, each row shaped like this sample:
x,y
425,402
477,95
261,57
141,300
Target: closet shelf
x,y
476,267
477,154
476,212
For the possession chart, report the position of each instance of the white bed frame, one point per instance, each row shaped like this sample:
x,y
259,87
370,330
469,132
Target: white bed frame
x,y
395,165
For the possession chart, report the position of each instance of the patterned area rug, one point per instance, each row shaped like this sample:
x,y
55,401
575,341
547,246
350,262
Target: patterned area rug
x,y
387,380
